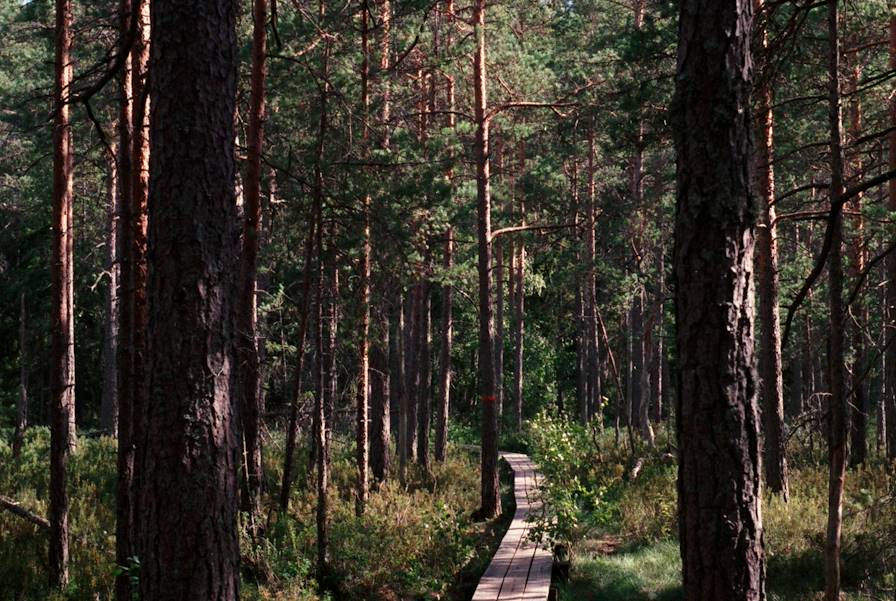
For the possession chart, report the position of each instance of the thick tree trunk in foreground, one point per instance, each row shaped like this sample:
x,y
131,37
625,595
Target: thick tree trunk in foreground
x,y
442,412
490,489
720,523
187,533
247,315
770,369
837,415
63,340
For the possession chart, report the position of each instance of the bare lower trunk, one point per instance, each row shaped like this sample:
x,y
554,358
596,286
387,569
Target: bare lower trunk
x,y
720,524
109,396
380,384
770,369
837,420
424,393
890,409
22,401
63,343
412,369
490,491
248,372
186,460
442,412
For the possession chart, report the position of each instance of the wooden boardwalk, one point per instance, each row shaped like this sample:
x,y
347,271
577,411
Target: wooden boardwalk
x,y
520,570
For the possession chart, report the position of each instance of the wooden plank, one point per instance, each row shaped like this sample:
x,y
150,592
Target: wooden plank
x,y
520,569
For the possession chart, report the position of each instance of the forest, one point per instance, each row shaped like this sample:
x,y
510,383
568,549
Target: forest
x,y
489,300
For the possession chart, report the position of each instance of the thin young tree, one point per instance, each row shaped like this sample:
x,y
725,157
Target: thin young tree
x,y
722,548
187,457
248,371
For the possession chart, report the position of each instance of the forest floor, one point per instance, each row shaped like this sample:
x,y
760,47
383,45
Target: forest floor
x,y
414,542
622,540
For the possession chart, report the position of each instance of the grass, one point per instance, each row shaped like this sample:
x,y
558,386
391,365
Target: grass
x,y
414,541
631,551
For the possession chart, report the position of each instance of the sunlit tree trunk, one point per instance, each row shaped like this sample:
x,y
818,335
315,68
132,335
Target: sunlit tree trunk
x,y
63,343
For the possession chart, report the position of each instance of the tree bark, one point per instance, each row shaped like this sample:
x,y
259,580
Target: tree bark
x,y
187,532
362,441
489,489
424,390
890,413
63,343
499,324
720,524
859,407
445,352
248,374
518,273
770,368
837,416
18,437
412,369
109,395
380,378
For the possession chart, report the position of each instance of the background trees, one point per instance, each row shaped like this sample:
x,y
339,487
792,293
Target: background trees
x,y
376,153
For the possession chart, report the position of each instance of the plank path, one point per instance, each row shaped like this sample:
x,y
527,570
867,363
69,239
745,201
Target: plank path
x,y
521,569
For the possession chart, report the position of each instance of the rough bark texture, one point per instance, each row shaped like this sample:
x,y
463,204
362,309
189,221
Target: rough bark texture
x,y
489,486
247,315
187,535
837,410
770,368
720,522
62,405
442,412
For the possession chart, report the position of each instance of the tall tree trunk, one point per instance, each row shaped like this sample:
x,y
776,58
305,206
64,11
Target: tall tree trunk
x,y
320,415
380,383
247,313
424,412
18,437
124,524
499,324
412,368
592,350
445,352
293,432
187,532
837,416
363,391
722,546
63,343
770,369
518,272
859,407
890,413
399,381
109,396
490,490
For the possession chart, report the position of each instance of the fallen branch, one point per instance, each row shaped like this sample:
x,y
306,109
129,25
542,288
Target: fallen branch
x,y
15,508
